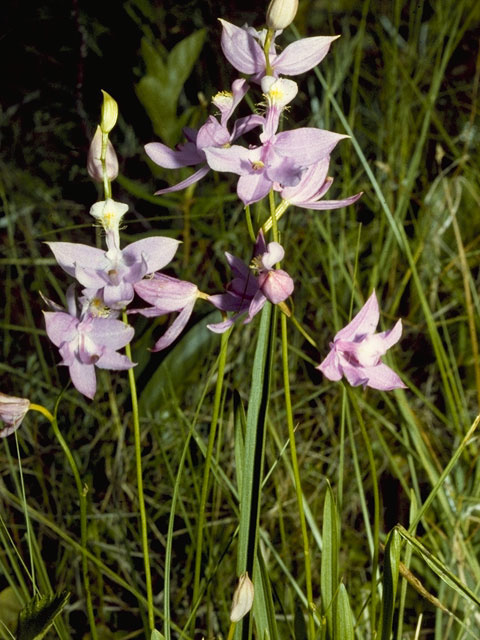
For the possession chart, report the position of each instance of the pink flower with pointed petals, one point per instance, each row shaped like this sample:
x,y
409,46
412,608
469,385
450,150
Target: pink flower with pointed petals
x,y
12,412
248,293
313,186
167,295
243,48
212,133
356,351
113,273
86,342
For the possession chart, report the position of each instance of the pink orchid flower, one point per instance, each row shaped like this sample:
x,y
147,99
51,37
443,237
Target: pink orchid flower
x,y
86,341
243,48
356,351
247,292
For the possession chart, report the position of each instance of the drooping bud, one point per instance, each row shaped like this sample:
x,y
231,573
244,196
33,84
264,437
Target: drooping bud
x,y
242,598
94,163
12,412
281,13
109,113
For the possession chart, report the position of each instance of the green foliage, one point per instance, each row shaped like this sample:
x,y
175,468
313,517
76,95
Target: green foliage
x,y
36,618
160,87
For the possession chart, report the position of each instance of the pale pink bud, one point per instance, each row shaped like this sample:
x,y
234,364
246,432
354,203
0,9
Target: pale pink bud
x,y
12,412
281,13
94,164
276,285
242,598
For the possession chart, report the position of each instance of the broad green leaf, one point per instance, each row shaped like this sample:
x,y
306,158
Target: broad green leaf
x,y
10,607
156,635
329,563
154,61
344,626
183,57
390,582
36,618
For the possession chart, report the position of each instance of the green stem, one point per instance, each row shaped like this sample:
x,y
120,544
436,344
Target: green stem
x,y
107,186
273,216
266,51
141,498
82,494
376,509
296,473
231,631
248,216
208,461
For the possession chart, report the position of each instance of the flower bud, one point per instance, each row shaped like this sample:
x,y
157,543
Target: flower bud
x,y
242,598
12,412
276,285
94,163
109,113
281,13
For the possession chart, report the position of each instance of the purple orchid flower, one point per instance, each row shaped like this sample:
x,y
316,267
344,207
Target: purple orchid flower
x,y
212,134
167,295
280,160
243,48
248,293
12,412
86,342
111,274
356,351
313,186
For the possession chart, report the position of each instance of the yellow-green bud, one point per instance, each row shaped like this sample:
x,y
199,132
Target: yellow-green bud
x,y
281,13
242,598
109,113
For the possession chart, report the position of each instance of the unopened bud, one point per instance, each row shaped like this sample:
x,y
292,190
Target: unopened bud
x,y
281,13
242,598
109,113
94,162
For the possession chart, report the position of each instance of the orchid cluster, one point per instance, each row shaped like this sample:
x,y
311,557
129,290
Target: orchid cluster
x,y
291,163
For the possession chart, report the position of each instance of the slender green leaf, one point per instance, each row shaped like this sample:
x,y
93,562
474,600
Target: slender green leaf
x,y
329,565
345,624
390,583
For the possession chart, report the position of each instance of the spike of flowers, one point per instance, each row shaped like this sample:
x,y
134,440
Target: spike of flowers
x,y
247,292
356,351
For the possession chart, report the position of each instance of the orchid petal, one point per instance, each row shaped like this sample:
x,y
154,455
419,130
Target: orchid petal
x,y
364,323
157,251
330,367
302,55
168,158
114,361
112,334
61,327
175,329
83,378
69,254
241,49
253,187
306,145
195,177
